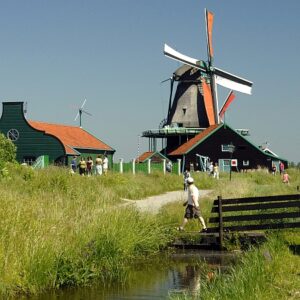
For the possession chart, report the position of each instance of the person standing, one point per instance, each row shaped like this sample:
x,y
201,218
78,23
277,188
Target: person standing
x,y
186,175
192,210
211,169
105,165
82,166
74,164
285,178
216,171
281,168
89,166
98,167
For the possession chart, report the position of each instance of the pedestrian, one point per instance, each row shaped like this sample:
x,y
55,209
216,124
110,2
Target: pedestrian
x,y
285,178
273,169
216,171
169,167
105,165
98,166
192,209
82,166
211,169
73,164
186,175
89,166
281,168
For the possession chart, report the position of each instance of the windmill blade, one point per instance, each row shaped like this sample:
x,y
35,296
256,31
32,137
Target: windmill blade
x,y
226,104
166,80
86,112
83,104
76,116
233,82
209,18
173,54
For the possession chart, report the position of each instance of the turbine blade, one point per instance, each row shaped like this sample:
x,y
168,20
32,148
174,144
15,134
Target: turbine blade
x,y
76,116
83,103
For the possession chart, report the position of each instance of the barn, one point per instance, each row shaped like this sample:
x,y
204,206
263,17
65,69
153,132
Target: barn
x,y
225,146
59,142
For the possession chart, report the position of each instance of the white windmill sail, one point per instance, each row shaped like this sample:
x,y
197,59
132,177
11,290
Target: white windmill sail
x,y
232,82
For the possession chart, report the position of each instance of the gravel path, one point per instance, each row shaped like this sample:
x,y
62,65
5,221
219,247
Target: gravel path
x,y
154,203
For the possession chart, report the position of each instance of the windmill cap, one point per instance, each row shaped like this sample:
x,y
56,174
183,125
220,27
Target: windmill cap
x,y
190,180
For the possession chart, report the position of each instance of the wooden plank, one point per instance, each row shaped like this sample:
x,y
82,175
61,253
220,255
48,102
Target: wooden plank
x,y
220,222
262,226
256,217
258,206
258,199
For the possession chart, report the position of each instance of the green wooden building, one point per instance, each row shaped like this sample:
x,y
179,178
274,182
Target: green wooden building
x,y
59,142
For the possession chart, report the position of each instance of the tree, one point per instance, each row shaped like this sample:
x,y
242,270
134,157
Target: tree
x,y
7,150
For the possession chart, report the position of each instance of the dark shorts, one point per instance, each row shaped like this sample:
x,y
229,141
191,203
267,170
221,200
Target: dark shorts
x,y
192,212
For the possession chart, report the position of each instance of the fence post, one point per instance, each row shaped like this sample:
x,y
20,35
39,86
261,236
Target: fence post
x,y
179,166
220,222
149,165
133,166
164,166
121,165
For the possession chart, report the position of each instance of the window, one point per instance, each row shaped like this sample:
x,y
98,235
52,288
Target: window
x,y
246,163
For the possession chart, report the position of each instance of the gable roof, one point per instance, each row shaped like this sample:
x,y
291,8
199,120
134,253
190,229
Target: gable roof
x,y
190,144
72,137
147,155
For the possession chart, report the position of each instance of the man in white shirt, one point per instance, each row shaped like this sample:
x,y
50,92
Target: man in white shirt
x,y
192,209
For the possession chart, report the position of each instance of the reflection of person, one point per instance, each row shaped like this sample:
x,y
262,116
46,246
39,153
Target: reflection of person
x,y
98,167
105,165
192,209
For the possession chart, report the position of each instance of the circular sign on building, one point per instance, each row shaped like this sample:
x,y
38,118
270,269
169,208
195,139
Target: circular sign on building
x,y
13,134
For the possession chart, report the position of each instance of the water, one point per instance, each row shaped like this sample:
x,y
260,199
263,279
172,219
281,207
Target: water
x,y
179,272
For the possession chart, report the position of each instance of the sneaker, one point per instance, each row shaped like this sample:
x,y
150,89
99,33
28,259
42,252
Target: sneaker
x,y
179,228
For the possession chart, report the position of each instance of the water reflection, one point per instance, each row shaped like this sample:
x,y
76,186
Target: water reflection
x,y
180,272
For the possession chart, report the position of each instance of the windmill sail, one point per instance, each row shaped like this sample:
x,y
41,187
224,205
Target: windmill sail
x,y
209,26
226,104
208,103
233,82
172,53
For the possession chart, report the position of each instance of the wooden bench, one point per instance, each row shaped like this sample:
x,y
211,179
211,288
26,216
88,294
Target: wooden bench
x,y
254,213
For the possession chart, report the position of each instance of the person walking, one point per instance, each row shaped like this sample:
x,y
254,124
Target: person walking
x,y
192,210
89,166
285,178
216,171
211,169
281,168
73,164
105,165
98,166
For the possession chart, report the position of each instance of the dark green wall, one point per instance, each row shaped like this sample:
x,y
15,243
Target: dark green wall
x,y
31,142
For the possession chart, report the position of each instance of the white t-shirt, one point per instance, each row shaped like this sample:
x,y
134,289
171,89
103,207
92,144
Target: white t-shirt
x,y
193,192
105,163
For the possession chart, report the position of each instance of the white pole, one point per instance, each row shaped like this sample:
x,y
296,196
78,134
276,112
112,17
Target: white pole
x,y
164,166
121,165
179,166
149,165
133,166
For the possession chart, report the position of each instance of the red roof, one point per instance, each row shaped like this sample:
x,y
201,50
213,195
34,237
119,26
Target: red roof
x,y
184,148
144,156
71,136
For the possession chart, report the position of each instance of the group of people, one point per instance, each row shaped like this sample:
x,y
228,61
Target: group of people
x,y
88,167
284,175
213,170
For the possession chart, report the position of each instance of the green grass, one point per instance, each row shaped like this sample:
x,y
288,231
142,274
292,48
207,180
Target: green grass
x,y
58,229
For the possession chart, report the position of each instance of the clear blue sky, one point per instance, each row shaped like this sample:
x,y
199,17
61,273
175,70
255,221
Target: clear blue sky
x,y
54,54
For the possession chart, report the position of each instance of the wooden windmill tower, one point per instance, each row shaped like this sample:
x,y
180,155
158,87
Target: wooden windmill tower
x,y
195,103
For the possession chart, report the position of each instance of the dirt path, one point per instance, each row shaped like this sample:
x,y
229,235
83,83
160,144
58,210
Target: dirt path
x,y
154,203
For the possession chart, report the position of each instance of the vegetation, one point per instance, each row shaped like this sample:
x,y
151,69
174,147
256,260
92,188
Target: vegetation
x,y
59,229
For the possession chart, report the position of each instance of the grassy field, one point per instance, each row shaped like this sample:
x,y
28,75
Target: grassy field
x,y
58,229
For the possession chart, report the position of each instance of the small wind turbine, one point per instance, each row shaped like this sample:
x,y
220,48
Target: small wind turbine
x,y
80,111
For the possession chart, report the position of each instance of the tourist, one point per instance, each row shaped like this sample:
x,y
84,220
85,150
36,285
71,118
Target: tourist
x,y
89,166
273,169
211,169
98,166
281,168
169,167
186,175
285,178
73,164
216,171
82,166
105,165
192,209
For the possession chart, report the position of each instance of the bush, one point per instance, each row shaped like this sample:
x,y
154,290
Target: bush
x,y
7,151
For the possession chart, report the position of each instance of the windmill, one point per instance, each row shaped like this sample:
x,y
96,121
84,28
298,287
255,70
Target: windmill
x,y
80,111
195,103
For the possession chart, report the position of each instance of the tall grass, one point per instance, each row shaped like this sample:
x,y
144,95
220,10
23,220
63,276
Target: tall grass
x,y
60,229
